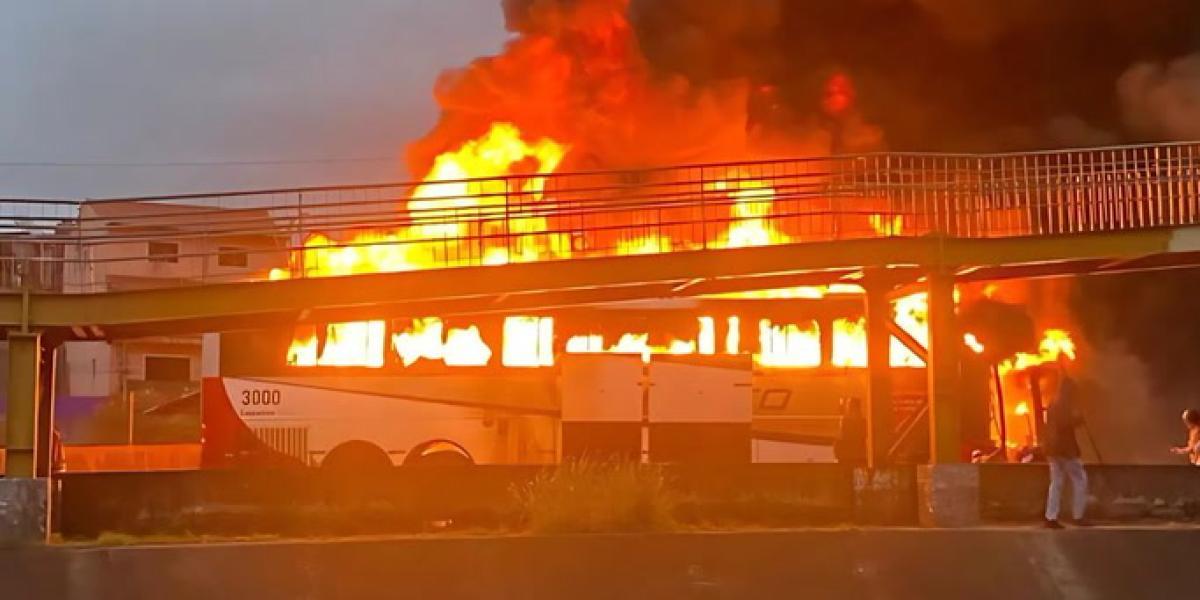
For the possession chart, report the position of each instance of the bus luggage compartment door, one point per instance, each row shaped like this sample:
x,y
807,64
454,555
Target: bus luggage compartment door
x,y
700,409
602,406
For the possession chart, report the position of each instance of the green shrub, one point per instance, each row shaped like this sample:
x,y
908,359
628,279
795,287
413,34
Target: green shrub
x,y
596,497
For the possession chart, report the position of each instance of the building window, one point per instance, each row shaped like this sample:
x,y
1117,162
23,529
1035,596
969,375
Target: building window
x,y
232,256
168,368
163,252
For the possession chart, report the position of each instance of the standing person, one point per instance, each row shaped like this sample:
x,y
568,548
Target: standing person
x,y
851,446
1062,451
1191,420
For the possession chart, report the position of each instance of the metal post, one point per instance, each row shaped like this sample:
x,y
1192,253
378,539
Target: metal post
x,y
45,418
703,210
206,250
944,389
126,397
1038,410
1001,415
300,256
879,410
825,340
24,395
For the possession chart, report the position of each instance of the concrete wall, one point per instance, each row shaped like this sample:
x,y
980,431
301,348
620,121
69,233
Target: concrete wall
x,y
1117,492
304,502
976,564
308,502
313,502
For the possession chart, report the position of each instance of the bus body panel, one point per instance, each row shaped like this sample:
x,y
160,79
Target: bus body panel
x,y
596,388
703,390
307,422
522,416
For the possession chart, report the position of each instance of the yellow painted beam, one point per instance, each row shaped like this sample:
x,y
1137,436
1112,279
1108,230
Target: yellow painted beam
x,y
433,286
1000,252
879,409
945,392
546,283
24,395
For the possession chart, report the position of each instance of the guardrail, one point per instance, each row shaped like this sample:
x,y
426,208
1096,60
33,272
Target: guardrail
x,y
212,238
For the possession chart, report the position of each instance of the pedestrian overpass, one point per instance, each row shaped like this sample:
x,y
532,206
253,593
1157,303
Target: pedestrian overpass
x,y
887,222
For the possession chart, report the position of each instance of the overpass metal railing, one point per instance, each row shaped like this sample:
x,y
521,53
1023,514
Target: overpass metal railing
x,y
71,247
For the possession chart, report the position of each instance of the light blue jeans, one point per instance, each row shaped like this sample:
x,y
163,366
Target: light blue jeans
x,y
1061,468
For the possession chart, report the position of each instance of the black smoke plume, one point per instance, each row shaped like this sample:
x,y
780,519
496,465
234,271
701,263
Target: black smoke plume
x,y
954,75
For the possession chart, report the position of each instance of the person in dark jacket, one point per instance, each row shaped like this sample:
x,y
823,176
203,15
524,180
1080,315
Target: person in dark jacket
x,y
1062,452
851,445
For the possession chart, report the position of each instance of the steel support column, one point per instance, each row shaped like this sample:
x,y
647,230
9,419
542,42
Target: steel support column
x,y
24,396
943,370
825,331
45,417
879,410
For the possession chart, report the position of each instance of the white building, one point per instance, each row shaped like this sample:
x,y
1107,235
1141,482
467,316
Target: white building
x,y
113,392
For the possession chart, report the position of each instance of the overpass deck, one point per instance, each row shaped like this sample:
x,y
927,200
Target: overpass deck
x,y
543,285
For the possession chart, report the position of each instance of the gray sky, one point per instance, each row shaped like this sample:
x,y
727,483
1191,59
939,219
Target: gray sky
x,y
185,81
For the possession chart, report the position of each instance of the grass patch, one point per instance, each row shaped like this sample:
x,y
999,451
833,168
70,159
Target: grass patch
x,y
587,496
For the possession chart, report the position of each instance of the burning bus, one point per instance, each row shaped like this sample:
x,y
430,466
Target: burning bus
x,y
720,379
741,377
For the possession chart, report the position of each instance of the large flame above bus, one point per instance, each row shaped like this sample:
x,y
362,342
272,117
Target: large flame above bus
x,y
572,87
476,181
464,188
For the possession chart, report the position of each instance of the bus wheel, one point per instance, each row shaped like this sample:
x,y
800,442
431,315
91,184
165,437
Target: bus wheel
x,y
355,473
356,458
439,454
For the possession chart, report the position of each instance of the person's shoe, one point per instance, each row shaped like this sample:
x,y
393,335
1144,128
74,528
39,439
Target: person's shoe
x,y
1052,524
1083,523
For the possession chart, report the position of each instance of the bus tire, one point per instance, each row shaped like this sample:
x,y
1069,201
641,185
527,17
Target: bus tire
x,y
356,457
439,453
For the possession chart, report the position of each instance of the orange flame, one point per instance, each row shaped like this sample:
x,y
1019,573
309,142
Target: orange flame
x,y
849,343
1055,343
887,226
457,201
912,315
452,204
528,342
440,205
355,344
752,203
451,193
972,342
639,343
707,339
733,336
428,339
788,345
